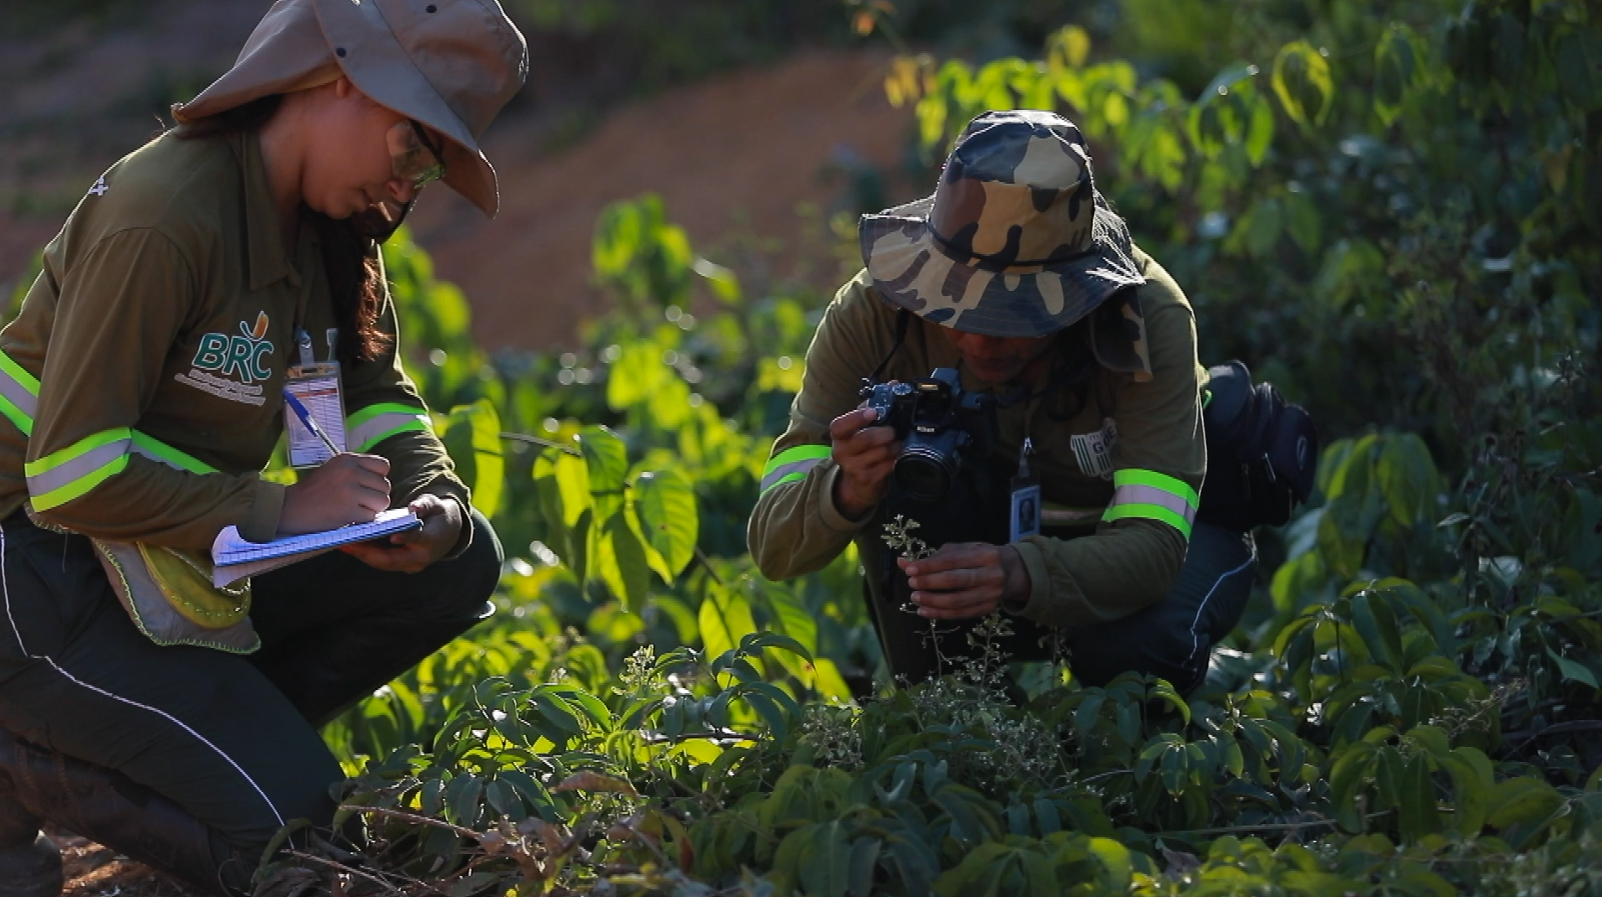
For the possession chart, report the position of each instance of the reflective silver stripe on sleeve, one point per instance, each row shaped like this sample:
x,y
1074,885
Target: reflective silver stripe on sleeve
x,y
70,471
784,472
1150,495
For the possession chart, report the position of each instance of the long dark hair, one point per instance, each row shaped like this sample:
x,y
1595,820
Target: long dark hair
x,y
354,278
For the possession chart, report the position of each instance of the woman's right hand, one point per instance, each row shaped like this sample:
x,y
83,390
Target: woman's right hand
x,y
347,488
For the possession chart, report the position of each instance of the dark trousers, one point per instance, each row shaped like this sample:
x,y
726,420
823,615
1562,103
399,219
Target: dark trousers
x,y
1172,638
231,739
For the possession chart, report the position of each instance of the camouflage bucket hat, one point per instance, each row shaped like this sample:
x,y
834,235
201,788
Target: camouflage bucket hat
x,y
449,64
1015,242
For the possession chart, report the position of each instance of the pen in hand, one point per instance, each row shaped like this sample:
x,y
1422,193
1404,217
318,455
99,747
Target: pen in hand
x,y
310,423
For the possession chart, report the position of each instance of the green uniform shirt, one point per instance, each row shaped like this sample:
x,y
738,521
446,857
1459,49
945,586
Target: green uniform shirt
x,y
1127,466
142,381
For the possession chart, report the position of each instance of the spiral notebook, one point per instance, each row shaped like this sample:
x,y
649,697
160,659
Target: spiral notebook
x,y
234,557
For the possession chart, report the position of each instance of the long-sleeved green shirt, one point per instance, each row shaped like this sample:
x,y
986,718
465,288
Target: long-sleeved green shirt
x,y
1129,463
142,382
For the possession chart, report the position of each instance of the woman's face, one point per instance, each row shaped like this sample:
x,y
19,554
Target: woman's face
x,y
353,149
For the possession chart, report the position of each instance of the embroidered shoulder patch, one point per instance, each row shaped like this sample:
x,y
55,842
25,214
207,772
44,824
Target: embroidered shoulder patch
x,y
1094,451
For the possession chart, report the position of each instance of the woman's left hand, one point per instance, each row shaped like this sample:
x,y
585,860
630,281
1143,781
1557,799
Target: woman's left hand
x,y
965,579
410,552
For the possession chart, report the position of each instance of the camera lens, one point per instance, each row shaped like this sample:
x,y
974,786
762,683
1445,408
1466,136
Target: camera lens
x,y
923,474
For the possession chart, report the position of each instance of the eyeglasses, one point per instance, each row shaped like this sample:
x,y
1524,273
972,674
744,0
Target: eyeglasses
x,y
413,157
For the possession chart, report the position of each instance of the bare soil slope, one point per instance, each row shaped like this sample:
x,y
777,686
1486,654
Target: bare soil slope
x,y
741,151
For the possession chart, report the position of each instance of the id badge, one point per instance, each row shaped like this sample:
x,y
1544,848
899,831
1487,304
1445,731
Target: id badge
x,y
317,388
1024,519
1025,511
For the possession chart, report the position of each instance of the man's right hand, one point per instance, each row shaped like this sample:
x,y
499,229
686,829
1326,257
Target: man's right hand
x,y
347,488
866,455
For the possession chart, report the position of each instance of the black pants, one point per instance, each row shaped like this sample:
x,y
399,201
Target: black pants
x,y
1172,638
231,739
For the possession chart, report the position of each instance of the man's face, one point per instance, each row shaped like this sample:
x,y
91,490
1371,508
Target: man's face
x,y
995,359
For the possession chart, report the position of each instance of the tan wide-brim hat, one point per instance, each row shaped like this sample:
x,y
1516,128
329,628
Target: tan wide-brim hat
x,y
450,64
1016,240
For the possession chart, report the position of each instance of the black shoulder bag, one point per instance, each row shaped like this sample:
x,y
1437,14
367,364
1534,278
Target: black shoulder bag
x,y
1262,452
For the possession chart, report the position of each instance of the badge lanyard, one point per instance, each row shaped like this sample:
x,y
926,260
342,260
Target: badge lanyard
x,y
1025,517
317,386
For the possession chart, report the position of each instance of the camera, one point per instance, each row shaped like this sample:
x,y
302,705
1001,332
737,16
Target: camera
x,y
942,427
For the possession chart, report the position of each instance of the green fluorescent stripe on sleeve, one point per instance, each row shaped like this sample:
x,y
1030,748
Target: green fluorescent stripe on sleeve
x,y
1157,481
415,423
17,416
154,448
1149,512
363,415
19,374
77,449
798,453
79,486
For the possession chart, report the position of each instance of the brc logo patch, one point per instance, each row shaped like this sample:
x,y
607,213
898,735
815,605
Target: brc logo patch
x,y
231,366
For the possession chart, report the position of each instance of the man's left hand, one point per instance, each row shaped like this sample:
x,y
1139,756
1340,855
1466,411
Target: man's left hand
x,y
965,579
410,552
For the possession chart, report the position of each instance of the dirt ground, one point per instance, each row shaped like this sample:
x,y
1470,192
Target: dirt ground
x,y
737,155
95,871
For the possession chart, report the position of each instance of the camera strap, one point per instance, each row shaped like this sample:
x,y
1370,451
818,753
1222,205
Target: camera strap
x,y
903,321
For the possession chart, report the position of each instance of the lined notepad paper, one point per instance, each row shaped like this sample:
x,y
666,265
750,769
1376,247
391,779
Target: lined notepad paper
x,y
233,557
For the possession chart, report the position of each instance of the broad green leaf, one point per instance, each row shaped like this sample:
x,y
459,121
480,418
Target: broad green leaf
x,y
1303,221
1408,479
666,504
864,860
619,561
1521,807
1067,48
825,861
606,461
637,375
1573,671
1263,226
725,619
473,439
1303,83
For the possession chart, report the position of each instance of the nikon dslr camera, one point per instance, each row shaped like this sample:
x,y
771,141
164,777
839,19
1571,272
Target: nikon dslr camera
x,y
942,427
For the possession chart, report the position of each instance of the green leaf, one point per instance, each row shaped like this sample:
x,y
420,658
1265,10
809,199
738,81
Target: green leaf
x,y
619,561
1303,83
1303,222
1397,59
725,619
637,375
1521,807
825,860
606,460
665,501
1067,48
1263,225
864,859
1376,623
1408,479
473,440
1573,671
1472,781
462,799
